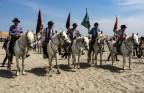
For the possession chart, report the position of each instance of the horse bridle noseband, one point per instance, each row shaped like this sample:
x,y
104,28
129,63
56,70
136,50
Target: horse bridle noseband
x,y
59,41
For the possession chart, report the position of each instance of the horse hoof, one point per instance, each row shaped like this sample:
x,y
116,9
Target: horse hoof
x,y
23,73
17,74
58,72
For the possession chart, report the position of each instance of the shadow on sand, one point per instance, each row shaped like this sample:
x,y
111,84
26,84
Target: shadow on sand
x,y
38,71
138,62
67,68
111,68
6,74
63,67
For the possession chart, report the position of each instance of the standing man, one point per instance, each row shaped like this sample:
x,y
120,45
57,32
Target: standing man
x,y
48,32
94,31
121,36
73,32
15,32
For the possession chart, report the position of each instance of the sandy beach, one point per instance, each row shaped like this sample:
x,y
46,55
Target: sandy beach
x,y
87,79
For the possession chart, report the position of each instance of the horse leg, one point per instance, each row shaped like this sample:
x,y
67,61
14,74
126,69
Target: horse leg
x,y
10,61
101,52
89,56
50,62
23,66
130,56
112,58
95,59
78,65
57,64
68,60
18,68
123,62
74,59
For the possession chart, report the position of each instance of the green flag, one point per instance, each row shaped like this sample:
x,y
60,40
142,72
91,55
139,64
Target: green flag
x,y
86,22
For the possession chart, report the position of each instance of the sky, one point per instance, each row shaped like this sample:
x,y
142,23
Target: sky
x,y
129,12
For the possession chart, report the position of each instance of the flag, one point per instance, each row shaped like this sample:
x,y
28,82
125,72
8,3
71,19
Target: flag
x,y
86,22
68,22
116,25
39,23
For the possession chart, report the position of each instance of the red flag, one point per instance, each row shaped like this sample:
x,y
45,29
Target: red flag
x,y
68,22
116,25
39,23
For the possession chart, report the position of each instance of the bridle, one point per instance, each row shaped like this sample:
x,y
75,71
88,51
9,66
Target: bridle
x,y
19,43
129,47
83,42
59,41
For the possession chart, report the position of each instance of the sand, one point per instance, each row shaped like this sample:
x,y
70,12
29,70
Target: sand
x,y
87,79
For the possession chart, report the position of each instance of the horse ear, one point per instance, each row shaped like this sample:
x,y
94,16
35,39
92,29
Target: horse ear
x,y
137,33
101,32
132,34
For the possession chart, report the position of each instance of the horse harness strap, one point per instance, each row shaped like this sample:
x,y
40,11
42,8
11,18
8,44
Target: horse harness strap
x,y
20,46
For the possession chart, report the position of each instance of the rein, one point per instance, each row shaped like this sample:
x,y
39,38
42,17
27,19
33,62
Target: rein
x,y
56,44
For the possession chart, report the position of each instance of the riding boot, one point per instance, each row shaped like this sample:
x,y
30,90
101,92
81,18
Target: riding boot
x,y
117,58
109,57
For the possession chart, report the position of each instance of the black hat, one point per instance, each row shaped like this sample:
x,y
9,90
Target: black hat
x,y
123,26
50,23
75,24
16,20
96,24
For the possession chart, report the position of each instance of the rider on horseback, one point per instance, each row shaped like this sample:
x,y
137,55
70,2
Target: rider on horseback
x,y
48,32
15,32
121,36
94,31
73,32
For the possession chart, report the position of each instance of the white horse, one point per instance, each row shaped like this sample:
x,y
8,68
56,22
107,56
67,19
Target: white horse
x,y
126,48
52,47
77,47
39,43
98,47
21,48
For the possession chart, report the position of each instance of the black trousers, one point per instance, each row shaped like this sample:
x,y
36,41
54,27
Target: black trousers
x,y
45,48
12,42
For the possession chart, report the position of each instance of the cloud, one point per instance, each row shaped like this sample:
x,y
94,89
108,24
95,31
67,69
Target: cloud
x,y
129,2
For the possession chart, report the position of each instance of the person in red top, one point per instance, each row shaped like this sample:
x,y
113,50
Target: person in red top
x,y
122,34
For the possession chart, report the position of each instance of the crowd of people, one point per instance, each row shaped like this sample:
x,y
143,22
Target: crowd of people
x,y
16,31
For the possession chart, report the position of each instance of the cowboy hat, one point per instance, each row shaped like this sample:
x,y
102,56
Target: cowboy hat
x,y
96,23
75,24
123,26
50,23
16,20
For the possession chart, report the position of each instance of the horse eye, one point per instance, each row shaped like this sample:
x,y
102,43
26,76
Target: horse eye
x,y
63,36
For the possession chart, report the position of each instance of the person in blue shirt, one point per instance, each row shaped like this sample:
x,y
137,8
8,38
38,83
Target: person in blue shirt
x,y
93,32
73,32
15,32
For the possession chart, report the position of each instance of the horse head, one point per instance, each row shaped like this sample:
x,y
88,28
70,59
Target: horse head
x,y
99,36
135,39
85,43
64,38
29,38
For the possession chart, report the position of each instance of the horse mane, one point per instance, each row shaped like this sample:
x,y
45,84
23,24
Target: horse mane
x,y
129,39
79,39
